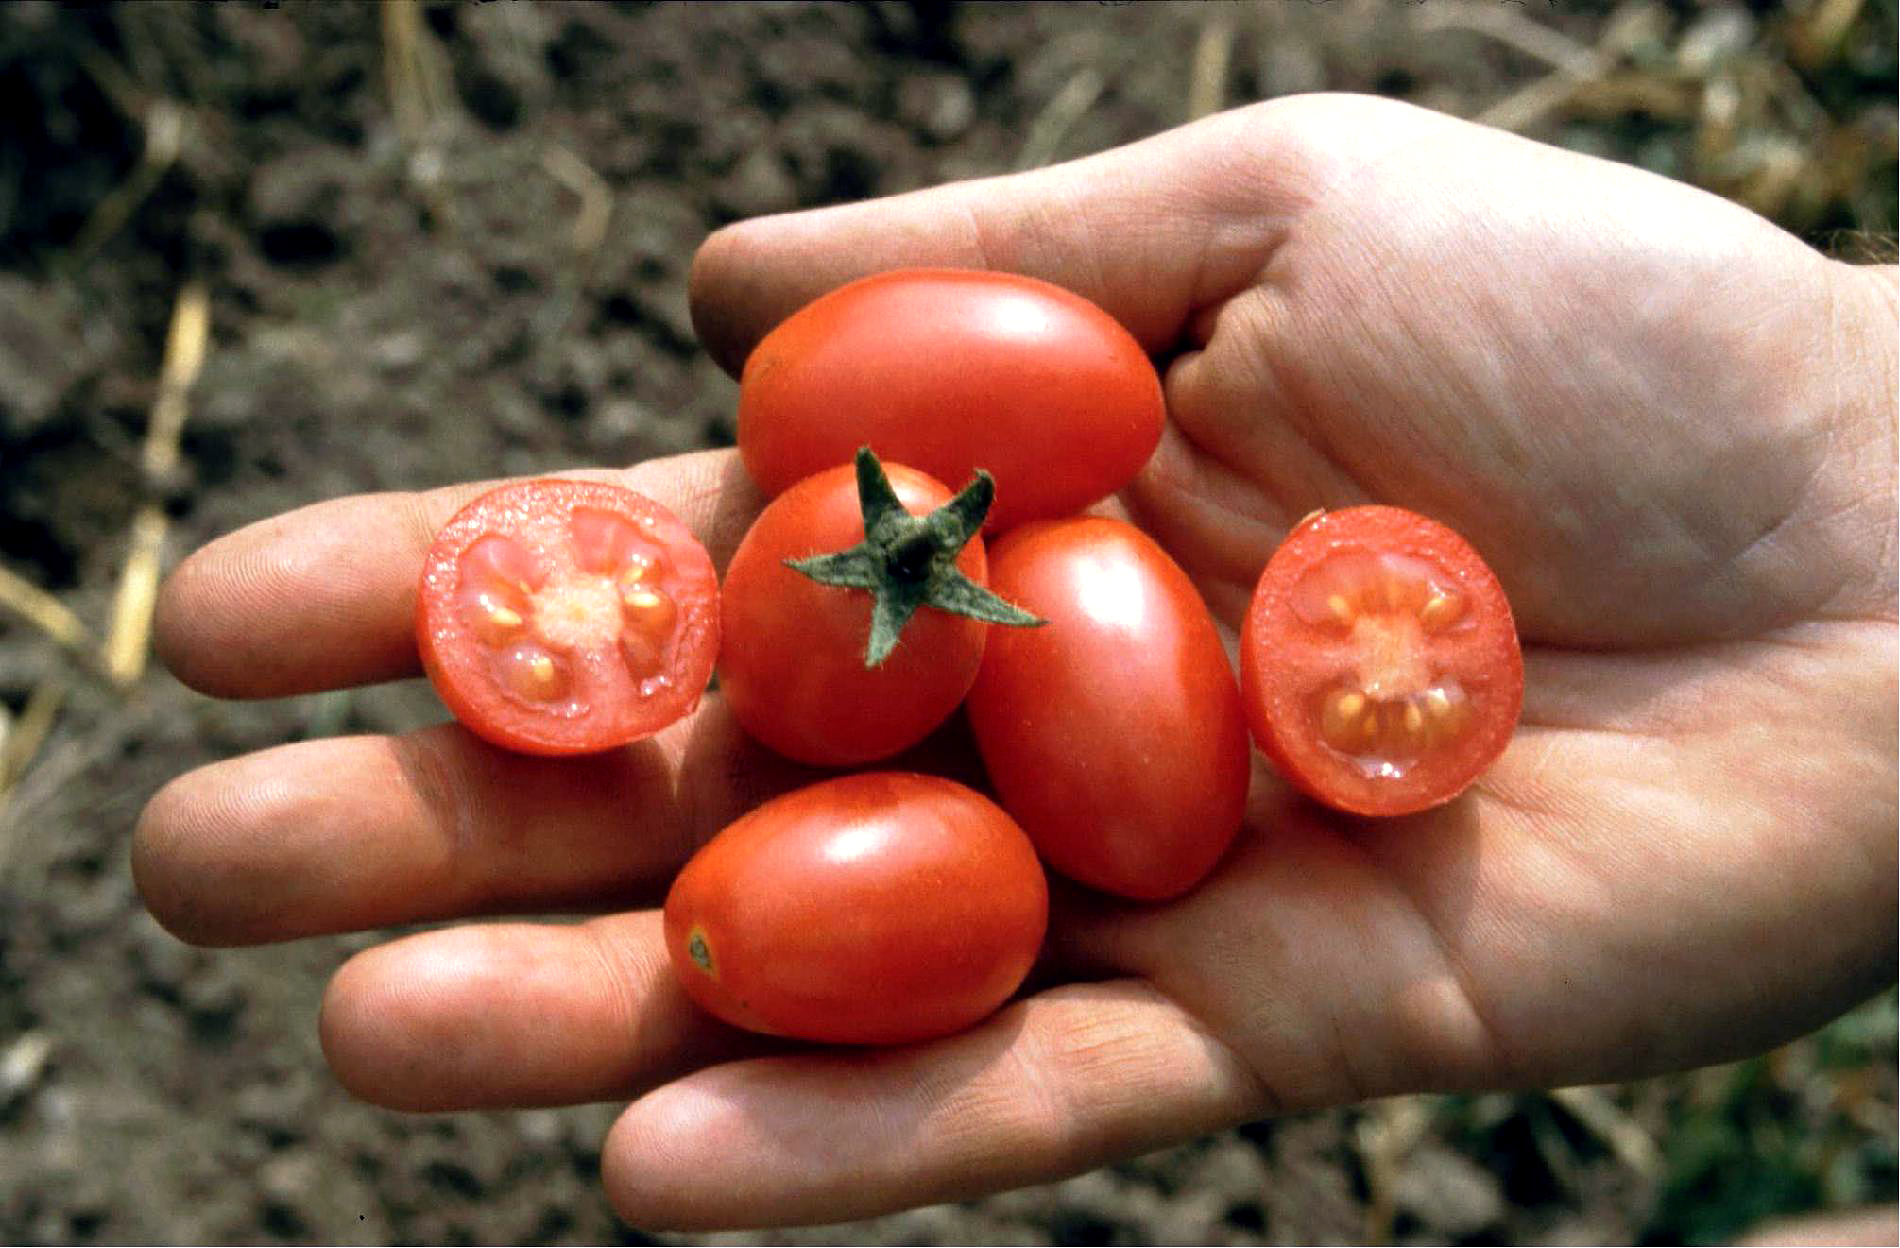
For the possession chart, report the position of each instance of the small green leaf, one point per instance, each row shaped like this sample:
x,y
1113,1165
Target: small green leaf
x,y
875,494
889,613
848,569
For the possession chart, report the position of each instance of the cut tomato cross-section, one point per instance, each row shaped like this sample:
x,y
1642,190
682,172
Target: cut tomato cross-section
x,y
566,617
1379,662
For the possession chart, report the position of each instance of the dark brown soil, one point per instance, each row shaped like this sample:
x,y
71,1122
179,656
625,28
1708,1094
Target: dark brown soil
x,y
405,292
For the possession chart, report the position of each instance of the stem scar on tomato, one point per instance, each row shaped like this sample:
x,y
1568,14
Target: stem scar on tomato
x,y
910,561
700,951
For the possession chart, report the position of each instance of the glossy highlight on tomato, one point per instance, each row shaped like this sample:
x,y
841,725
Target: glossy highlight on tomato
x,y
877,908
792,663
1114,734
948,371
1380,661
567,617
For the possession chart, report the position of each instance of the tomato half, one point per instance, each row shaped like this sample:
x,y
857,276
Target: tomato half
x,y
877,908
792,663
1380,662
951,370
1114,734
566,617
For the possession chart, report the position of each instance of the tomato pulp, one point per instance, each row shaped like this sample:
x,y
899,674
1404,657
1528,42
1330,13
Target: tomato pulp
x,y
1114,734
877,908
566,617
951,370
1380,661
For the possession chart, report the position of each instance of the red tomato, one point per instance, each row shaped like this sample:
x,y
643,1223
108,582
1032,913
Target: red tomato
x,y
791,664
1380,662
1114,733
565,617
951,370
877,908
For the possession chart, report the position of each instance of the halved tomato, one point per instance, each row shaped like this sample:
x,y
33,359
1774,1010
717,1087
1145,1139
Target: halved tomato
x,y
567,617
1379,661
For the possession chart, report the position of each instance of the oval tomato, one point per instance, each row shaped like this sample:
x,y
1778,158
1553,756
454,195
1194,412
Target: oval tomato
x,y
792,663
1380,661
1114,734
566,617
877,908
951,370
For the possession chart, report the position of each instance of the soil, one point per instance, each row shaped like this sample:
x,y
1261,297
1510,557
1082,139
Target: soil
x,y
408,289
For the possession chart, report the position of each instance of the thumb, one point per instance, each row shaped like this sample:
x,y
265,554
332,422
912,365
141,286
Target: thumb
x,y
1151,232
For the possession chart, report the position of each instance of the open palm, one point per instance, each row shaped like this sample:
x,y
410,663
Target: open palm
x,y
1665,424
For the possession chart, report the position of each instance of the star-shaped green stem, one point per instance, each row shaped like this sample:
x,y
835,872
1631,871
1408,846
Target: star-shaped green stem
x,y
910,561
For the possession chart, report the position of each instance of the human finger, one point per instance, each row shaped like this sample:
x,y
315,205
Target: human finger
x,y
325,596
1055,1084
362,832
355,833
509,1015
1153,232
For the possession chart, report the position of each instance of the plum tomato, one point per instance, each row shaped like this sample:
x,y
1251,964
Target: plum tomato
x,y
948,371
1380,662
877,908
853,622
567,617
1114,734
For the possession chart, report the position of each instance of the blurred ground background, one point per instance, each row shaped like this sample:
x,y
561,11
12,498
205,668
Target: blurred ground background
x,y
436,242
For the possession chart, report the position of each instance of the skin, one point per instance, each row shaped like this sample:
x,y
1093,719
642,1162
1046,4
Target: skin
x,y
1668,426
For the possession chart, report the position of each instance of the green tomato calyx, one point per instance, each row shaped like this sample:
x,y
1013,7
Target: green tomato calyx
x,y
910,561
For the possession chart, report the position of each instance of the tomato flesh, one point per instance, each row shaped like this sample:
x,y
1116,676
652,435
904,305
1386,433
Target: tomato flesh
x,y
951,370
792,661
567,617
1380,662
1114,733
877,908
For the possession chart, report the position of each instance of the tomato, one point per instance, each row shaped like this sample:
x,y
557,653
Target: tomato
x,y
1380,663
793,667
1114,734
566,617
950,370
877,908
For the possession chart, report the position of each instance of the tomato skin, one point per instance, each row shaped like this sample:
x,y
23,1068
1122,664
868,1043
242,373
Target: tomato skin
x,y
1286,659
877,908
1114,733
951,370
791,665
602,704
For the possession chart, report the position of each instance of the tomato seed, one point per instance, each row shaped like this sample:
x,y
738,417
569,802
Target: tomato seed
x,y
1393,730
493,614
650,614
532,673
1441,611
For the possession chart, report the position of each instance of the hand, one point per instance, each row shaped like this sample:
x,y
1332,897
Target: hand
x,y
1667,425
